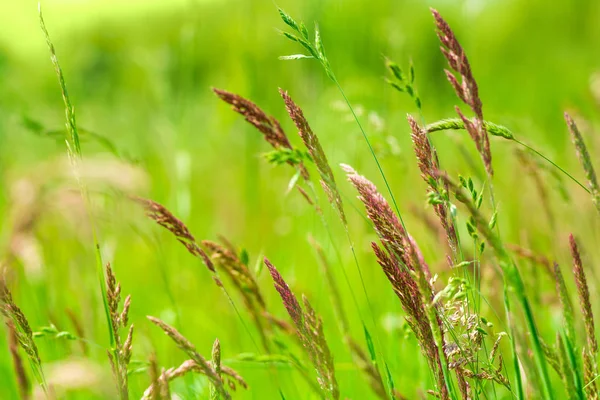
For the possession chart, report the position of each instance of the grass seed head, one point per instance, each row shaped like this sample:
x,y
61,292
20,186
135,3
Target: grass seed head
x,y
584,296
466,89
565,302
203,366
386,222
24,334
585,160
309,328
313,145
13,347
287,296
162,216
268,126
428,164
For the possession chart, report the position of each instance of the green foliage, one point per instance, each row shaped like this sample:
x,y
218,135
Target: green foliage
x,y
315,48
402,82
139,89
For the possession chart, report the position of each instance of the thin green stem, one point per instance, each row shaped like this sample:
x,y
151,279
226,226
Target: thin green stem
x,y
74,153
553,164
512,338
364,134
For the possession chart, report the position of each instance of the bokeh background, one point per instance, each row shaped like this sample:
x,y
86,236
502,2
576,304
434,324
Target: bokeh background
x,y
139,74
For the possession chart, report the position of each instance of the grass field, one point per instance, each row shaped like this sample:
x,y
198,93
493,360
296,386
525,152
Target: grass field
x,y
143,122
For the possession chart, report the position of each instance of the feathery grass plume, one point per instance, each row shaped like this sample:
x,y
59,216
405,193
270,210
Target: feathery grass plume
x,y
321,354
316,50
367,366
590,374
200,364
225,257
565,302
120,355
585,160
317,155
239,272
309,328
162,216
267,125
418,317
311,141
409,275
466,89
513,283
584,297
386,223
231,263
23,332
13,347
313,145
428,164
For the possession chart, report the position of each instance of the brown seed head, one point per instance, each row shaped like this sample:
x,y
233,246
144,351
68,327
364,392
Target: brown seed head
x,y
467,89
311,141
269,126
289,299
584,296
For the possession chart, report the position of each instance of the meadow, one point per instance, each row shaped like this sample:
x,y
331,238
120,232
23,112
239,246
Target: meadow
x,y
345,199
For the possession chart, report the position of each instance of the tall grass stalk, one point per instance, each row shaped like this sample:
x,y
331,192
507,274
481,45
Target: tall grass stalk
x,y
317,51
276,137
75,155
585,160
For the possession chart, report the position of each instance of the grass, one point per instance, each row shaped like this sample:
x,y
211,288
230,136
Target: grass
x,y
467,297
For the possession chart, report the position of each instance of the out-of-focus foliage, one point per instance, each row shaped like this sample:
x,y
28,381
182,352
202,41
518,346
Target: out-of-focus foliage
x,y
139,75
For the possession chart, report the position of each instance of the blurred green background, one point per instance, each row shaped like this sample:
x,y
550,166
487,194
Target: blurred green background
x,y
139,73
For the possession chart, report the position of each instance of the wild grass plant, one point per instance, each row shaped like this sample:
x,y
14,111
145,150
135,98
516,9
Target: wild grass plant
x,y
476,340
